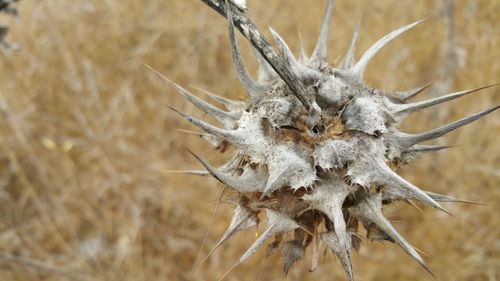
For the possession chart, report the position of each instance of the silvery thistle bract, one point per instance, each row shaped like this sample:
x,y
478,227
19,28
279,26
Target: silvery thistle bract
x,y
315,148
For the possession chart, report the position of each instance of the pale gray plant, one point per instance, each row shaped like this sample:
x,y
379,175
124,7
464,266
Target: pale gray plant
x,y
315,147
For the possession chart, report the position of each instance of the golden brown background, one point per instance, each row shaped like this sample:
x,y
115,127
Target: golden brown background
x,y
86,137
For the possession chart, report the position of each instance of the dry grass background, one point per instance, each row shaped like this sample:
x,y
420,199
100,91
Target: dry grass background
x,y
86,138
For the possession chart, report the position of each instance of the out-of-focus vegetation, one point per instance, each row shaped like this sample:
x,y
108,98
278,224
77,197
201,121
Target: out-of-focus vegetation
x,y
86,138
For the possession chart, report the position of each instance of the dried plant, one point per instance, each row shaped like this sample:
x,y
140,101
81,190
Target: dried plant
x,y
316,149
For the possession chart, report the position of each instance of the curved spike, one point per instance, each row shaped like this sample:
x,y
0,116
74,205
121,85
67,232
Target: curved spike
x,y
188,172
427,148
228,167
406,95
370,209
243,218
412,139
213,140
221,133
445,198
349,57
394,194
407,108
233,105
344,255
328,197
249,138
320,51
299,70
360,66
276,223
285,50
390,179
223,117
249,181
231,165
255,90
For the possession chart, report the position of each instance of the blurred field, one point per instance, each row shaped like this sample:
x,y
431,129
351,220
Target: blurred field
x,y
86,138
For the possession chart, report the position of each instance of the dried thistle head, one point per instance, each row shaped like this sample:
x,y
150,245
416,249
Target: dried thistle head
x,y
315,147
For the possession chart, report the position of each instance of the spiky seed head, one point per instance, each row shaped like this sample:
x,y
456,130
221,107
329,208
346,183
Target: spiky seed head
x,y
315,146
